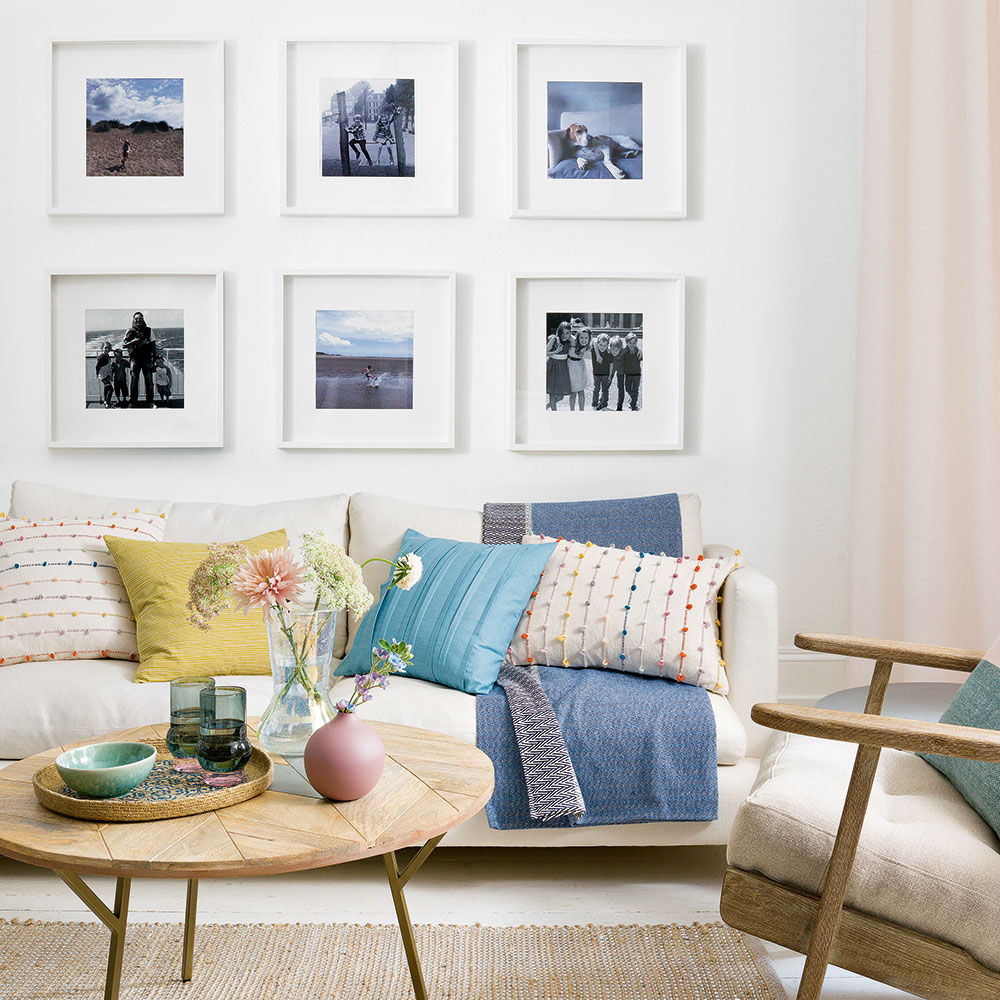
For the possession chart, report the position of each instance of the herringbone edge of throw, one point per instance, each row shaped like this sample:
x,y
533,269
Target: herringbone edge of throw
x,y
614,962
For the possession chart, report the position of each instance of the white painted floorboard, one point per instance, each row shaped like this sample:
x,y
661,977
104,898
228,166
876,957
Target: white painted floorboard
x,y
457,885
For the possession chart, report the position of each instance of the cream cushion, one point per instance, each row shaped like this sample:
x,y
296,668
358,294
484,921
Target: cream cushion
x,y
203,522
377,526
926,859
409,701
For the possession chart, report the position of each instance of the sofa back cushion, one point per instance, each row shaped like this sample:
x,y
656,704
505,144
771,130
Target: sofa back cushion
x,y
377,526
204,522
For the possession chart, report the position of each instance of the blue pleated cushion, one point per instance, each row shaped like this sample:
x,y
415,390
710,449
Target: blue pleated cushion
x,y
460,617
977,704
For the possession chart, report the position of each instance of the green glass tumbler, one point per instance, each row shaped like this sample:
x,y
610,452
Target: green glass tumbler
x,y
185,720
223,745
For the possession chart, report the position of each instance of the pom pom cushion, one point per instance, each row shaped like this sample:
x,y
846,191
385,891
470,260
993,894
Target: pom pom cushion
x,y
618,609
156,576
459,618
61,596
977,704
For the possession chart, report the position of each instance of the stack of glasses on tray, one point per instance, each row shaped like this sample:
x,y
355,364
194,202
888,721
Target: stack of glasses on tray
x,y
208,730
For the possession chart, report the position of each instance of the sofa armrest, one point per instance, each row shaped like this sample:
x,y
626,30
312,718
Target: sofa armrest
x,y
914,735
749,643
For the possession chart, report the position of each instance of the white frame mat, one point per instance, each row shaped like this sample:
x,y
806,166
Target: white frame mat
x,y
661,193
199,424
201,63
658,425
430,423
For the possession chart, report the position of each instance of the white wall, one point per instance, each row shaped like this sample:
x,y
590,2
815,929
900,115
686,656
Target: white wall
x,y
770,248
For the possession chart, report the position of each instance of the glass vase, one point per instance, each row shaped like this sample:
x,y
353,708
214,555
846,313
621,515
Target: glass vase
x,y
301,647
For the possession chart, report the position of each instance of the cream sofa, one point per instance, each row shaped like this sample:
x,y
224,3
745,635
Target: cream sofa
x,y
58,702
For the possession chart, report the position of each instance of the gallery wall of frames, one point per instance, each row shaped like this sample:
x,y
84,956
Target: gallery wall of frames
x,y
257,250
368,128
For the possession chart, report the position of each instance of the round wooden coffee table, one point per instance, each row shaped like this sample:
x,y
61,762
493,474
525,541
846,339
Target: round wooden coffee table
x,y
431,784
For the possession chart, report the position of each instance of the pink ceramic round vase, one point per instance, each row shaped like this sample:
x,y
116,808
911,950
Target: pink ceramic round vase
x,y
344,758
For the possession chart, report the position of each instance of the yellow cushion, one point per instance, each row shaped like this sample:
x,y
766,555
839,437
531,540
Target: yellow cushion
x,y
156,576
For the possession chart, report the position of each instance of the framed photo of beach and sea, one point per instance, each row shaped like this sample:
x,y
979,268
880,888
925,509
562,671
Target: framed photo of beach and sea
x,y
366,359
119,372
370,127
137,127
596,362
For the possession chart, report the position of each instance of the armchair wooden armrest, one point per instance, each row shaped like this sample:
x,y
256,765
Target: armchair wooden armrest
x,y
914,653
881,731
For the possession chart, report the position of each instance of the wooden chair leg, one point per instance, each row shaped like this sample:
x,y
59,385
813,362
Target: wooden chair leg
x,y
845,848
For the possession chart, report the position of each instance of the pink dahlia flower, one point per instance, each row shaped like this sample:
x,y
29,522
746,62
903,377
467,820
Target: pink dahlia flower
x,y
267,580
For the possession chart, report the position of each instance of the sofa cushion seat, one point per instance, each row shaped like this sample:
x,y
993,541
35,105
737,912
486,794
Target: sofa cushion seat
x,y
409,701
65,701
926,860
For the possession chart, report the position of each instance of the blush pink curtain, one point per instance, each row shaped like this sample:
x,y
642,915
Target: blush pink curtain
x,y
926,513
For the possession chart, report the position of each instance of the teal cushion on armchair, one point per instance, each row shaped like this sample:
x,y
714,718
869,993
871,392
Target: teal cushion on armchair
x,y
460,617
977,704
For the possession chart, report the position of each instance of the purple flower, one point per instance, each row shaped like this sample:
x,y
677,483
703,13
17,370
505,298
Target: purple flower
x,y
342,706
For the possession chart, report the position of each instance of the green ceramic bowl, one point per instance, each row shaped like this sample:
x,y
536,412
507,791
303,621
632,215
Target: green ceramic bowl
x,y
105,770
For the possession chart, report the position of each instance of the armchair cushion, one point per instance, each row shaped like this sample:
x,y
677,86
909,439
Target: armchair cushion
x,y
926,860
976,704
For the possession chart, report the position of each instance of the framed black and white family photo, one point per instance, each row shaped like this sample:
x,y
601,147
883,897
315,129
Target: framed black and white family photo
x,y
370,127
135,359
589,112
596,362
367,359
137,127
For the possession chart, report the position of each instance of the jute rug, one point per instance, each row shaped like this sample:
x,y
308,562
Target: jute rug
x,y
58,961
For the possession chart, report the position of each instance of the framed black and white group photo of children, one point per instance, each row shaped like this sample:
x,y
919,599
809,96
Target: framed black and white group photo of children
x,y
596,362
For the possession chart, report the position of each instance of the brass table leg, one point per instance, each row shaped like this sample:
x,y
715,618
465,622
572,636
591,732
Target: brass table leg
x,y
115,920
397,881
190,914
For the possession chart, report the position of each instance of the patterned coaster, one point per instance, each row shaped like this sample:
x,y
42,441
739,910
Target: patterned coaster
x,y
163,784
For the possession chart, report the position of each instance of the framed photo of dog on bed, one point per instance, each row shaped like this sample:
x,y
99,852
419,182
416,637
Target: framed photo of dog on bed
x,y
613,112
596,362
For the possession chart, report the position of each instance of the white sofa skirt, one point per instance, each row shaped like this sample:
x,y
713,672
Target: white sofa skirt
x,y
99,696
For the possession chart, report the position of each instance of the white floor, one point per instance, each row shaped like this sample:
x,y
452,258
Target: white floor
x,y
457,885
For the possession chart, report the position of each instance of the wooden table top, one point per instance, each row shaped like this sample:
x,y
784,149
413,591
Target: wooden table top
x,y
431,784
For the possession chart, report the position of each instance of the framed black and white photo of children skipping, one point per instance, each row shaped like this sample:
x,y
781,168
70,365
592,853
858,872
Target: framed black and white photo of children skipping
x,y
612,112
370,127
366,359
137,127
135,359
595,362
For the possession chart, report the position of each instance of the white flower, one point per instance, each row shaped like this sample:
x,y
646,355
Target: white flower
x,y
409,569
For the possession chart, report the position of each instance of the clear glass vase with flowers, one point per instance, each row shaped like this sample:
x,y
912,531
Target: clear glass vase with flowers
x,y
300,603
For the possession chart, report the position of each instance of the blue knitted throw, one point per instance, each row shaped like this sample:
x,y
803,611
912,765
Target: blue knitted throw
x,y
643,749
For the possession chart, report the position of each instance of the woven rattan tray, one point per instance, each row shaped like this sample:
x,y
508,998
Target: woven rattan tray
x,y
164,794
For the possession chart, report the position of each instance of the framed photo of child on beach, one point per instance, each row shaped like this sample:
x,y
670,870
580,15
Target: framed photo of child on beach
x,y
137,127
135,360
370,127
596,362
367,359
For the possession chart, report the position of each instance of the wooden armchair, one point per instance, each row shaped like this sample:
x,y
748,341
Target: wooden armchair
x,y
921,922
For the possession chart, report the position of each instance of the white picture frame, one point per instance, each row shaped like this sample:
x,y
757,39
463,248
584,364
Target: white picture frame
x,y
355,417
538,300
627,87
192,416
84,178
312,177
